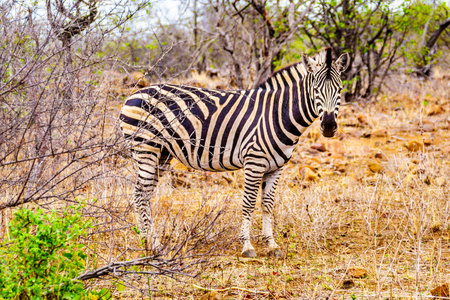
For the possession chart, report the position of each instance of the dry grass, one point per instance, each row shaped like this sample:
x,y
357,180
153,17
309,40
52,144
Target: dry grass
x,y
371,201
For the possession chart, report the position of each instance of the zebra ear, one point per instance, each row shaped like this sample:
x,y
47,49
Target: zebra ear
x,y
310,64
343,62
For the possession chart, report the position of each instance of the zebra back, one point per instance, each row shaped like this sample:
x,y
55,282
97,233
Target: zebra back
x,y
215,130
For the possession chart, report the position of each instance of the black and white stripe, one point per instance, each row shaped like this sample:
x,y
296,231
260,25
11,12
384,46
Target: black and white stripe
x,y
216,130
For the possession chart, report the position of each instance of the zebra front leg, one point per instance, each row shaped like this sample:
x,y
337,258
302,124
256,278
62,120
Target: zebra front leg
x,y
269,185
143,192
252,182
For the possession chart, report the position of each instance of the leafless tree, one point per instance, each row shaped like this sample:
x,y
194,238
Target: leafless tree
x,y
44,144
68,20
253,33
54,155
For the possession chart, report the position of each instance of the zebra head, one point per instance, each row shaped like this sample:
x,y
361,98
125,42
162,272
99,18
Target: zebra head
x,y
326,87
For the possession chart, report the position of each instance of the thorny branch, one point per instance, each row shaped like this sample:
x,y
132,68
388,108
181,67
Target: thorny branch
x,y
176,255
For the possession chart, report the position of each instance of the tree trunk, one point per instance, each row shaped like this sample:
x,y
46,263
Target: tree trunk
x,y
426,69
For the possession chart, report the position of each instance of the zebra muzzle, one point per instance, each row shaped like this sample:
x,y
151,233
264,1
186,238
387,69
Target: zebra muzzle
x,y
328,125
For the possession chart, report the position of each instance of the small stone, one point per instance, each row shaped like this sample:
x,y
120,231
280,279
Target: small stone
x,y
441,291
375,167
446,149
379,132
319,147
366,134
434,109
379,155
414,146
340,166
308,175
362,118
427,141
348,284
356,272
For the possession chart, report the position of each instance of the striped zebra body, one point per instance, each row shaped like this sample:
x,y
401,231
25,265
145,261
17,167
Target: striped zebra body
x,y
213,130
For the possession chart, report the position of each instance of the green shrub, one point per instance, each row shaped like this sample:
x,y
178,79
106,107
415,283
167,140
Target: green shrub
x,y
41,258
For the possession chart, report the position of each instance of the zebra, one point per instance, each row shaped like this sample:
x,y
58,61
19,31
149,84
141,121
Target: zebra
x,y
215,130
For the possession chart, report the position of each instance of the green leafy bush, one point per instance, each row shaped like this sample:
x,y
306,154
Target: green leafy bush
x,y
42,258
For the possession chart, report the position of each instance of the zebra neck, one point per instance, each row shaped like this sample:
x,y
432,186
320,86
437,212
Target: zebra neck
x,y
309,95
293,107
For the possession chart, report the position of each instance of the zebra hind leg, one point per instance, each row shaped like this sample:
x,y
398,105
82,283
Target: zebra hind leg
x,y
147,163
269,185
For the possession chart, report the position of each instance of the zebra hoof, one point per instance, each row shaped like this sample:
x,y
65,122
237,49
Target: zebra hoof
x,y
275,253
249,253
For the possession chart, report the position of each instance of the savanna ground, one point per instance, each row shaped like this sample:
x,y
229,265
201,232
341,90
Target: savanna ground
x,y
362,215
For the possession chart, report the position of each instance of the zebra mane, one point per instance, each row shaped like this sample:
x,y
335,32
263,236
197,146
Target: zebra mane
x,y
328,61
271,82
324,57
